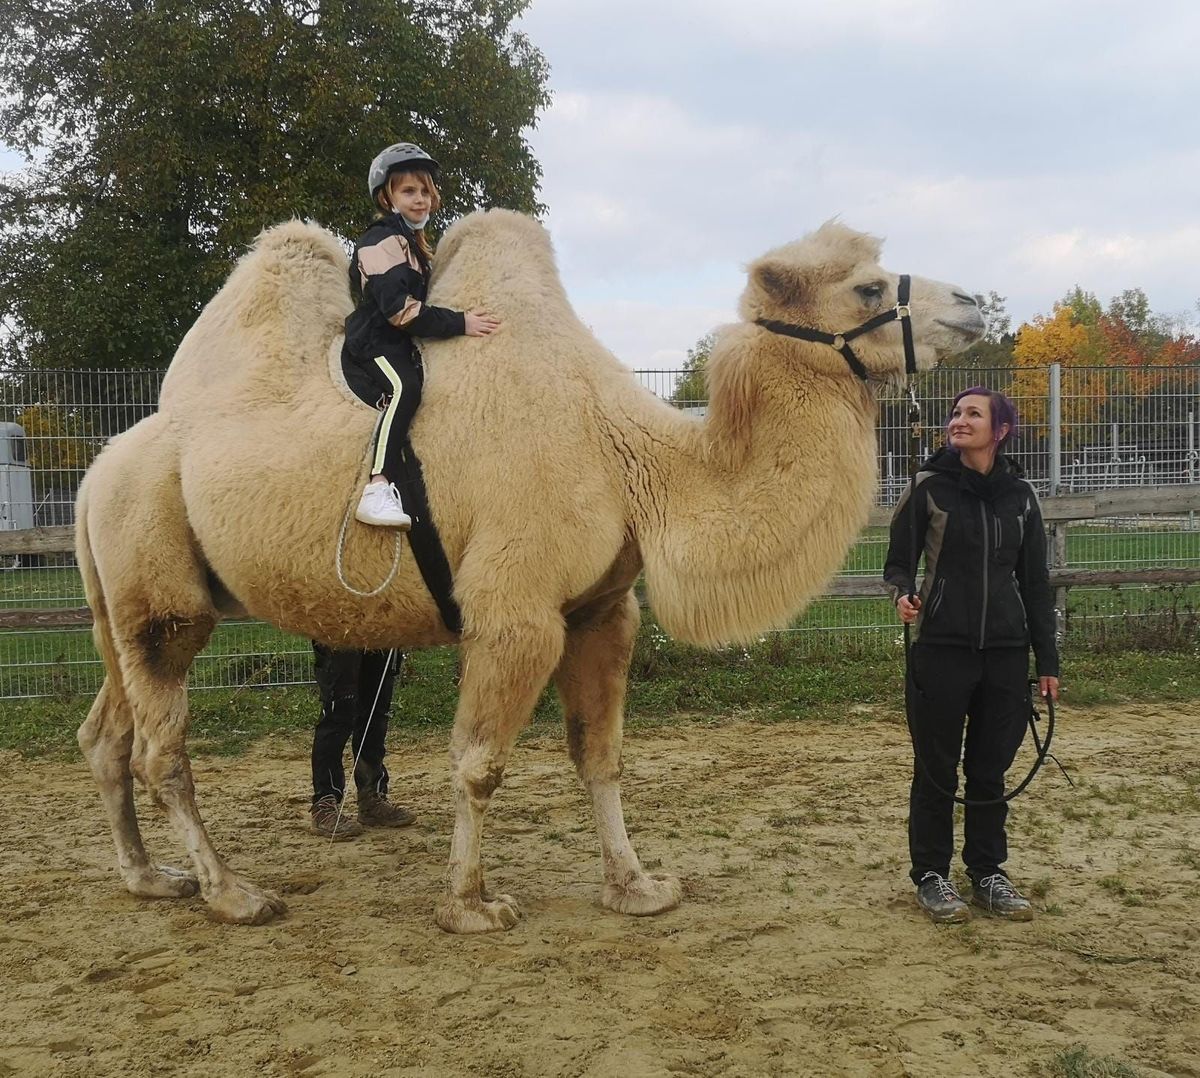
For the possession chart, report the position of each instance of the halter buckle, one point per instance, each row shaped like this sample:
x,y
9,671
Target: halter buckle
x,y
903,310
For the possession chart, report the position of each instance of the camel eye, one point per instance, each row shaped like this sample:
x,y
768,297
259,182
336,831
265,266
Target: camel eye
x,y
871,293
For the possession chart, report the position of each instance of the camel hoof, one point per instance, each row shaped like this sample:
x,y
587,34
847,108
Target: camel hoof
x,y
478,915
643,896
239,902
161,881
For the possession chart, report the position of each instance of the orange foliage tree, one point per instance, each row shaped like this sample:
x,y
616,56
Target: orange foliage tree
x,y
1113,361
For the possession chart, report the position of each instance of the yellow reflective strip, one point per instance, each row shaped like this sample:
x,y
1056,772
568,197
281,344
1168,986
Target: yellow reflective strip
x,y
385,426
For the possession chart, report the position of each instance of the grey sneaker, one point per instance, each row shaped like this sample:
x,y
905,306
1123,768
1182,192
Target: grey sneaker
x,y
938,898
997,895
325,820
375,810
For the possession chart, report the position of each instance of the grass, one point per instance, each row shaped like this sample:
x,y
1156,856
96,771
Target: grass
x,y
783,679
1078,1062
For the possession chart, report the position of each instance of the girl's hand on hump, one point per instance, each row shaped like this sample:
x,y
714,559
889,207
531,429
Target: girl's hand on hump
x,y
481,324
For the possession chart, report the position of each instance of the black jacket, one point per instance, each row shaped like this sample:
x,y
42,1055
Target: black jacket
x,y
986,584
389,278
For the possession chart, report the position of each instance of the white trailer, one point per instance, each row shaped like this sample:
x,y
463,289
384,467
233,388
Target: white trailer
x,y
16,480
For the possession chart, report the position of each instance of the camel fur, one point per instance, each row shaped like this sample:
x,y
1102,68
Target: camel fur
x,y
554,478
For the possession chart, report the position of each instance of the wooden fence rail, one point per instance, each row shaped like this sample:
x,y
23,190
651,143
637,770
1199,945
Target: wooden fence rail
x,y
1058,512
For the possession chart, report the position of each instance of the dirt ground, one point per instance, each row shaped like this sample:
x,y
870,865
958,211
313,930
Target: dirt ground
x,y
797,950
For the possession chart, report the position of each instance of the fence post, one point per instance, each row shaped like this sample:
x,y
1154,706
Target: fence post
x,y
1058,531
1055,436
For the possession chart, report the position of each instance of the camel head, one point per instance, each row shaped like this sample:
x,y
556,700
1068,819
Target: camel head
x,y
831,281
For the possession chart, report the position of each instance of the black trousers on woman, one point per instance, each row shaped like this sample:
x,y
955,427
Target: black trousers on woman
x,y
988,692
351,684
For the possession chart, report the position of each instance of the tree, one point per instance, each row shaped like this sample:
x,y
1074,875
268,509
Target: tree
x,y
1116,359
162,135
692,387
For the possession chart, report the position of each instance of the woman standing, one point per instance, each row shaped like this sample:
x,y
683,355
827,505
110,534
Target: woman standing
x,y
985,599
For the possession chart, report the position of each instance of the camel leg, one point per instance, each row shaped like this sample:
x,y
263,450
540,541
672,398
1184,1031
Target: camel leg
x,y
501,681
591,682
106,739
155,666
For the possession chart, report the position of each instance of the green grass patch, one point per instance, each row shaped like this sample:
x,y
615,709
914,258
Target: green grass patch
x,y
1078,1062
787,677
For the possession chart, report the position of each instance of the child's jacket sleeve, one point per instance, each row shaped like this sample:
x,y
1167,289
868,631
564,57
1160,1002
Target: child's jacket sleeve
x,y
393,282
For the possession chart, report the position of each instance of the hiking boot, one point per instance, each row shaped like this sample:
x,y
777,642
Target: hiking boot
x,y
380,505
325,820
375,810
997,895
938,898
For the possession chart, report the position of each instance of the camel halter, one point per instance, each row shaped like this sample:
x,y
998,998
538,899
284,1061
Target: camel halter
x,y
841,341
1043,747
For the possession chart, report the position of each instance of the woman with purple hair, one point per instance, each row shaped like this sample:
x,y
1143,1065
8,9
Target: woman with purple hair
x,y
984,601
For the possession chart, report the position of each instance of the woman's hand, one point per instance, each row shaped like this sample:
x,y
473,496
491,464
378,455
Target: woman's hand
x,y
1048,686
908,611
480,323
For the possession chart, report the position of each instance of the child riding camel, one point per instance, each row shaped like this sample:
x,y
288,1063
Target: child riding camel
x,y
389,276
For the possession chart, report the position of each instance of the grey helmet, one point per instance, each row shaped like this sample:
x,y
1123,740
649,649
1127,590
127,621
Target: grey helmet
x,y
395,157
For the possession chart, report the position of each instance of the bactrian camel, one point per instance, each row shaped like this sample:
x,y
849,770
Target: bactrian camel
x,y
554,478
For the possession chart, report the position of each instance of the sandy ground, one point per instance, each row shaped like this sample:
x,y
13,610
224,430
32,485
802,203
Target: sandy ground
x,y
797,950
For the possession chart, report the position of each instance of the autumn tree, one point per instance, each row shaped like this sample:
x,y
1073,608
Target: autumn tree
x,y
1114,360
162,135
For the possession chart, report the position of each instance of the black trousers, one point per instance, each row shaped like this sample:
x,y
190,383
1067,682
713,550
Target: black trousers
x,y
989,690
349,682
402,371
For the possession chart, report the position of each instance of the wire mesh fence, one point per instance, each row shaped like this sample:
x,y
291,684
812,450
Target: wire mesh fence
x,y
1082,429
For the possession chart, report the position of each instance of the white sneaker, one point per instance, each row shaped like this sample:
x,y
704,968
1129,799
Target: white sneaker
x,y
380,505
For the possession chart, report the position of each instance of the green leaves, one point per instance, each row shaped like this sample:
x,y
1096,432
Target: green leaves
x,y
163,135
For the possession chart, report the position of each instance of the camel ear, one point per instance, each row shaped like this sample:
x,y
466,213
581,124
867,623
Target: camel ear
x,y
784,283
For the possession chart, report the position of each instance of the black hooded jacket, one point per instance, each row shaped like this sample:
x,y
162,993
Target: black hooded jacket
x,y
389,277
986,584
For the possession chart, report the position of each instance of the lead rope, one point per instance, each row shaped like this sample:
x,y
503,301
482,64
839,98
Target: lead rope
x,y
1043,748
341,542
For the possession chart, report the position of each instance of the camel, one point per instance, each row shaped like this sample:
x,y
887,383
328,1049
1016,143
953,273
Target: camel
x,y
554,479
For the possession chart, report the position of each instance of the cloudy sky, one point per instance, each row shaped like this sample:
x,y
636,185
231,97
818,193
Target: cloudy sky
x,y
1024,147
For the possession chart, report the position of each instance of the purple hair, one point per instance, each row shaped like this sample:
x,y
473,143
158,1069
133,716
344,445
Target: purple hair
x,y
1003,412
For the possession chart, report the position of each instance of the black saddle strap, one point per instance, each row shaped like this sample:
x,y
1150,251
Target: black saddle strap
x,y
423,537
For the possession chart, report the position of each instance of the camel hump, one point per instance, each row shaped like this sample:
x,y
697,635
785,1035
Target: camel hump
x,y
285,301
301,241
294,275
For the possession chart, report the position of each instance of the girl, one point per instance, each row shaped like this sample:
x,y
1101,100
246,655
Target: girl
x,y
389,275
984,600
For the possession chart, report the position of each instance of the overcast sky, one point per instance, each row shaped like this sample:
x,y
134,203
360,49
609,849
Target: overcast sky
x,y
1020,146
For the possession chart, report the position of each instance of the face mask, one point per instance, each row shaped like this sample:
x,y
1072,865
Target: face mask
x,y
414,224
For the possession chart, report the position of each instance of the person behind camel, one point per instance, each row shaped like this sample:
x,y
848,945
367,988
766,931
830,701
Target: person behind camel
x,y
356,698
389,277
984,600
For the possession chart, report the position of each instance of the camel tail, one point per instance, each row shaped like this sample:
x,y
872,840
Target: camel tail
x,y
93,591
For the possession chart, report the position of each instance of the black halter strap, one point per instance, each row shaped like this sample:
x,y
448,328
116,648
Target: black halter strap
x,y
841,341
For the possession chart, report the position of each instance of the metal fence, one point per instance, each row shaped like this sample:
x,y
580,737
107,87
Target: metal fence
x,y
1081,429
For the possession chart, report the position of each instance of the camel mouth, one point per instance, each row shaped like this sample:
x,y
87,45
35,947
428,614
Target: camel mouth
x,y
970,332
